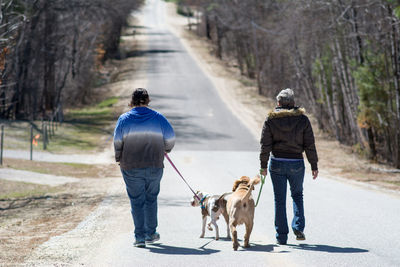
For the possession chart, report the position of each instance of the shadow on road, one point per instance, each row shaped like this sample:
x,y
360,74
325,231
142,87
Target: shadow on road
x,y
173,202
261,248
164,249
327,248
142,53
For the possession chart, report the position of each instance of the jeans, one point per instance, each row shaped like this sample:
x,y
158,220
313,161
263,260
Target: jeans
x,y
281,172
143,186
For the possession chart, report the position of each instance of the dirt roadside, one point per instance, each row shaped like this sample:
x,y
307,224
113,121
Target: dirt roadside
x,y
336,161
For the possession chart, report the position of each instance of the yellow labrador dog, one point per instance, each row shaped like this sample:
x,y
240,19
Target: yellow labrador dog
x,y
240,207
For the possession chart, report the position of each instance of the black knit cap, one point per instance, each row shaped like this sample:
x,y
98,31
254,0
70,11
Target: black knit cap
x,y
140,97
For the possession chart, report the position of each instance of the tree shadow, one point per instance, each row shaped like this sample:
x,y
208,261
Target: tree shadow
x,y
327,248
142,53
171,250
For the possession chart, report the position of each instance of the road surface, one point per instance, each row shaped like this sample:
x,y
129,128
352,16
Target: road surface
x,y
346,224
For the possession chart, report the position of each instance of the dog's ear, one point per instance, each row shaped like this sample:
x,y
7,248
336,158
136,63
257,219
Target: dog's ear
x,y
199,194
235,185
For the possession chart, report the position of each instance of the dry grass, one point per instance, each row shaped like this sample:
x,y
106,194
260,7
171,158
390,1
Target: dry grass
x,y
64,169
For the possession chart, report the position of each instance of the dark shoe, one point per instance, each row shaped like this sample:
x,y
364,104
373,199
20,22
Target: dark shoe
x,y
153,238
140,243
279,242
299,235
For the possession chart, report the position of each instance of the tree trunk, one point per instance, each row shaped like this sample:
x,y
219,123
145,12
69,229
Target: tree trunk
x,y
49,60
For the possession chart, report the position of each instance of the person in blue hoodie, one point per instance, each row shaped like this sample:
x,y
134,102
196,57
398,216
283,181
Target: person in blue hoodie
x,y
141,138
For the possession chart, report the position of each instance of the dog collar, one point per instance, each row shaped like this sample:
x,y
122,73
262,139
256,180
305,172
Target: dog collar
x,y
202,202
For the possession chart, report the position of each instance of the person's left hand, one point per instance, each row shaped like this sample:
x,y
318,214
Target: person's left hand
x,y
264,172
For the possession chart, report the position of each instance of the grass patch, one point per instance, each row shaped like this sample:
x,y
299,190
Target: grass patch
x,y
393,182
247,82
77,170
12,189
83,130
109,102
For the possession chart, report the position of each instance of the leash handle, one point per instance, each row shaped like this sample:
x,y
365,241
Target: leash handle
x,y
262,183
176,169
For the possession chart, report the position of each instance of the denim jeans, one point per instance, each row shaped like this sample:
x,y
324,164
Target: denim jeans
x,y
143,186
281,172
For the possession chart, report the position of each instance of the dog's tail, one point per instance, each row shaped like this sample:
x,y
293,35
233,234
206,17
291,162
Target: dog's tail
x,y
221,201
252,183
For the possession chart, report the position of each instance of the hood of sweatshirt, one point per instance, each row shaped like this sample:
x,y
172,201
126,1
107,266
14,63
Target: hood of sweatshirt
x,y
141,114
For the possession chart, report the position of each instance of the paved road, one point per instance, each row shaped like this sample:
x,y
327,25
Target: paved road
x,y
347,224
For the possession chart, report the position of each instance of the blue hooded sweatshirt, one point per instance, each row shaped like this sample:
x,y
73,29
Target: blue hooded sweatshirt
x,y
141,137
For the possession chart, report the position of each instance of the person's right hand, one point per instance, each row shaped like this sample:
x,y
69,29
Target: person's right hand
x,y
315,174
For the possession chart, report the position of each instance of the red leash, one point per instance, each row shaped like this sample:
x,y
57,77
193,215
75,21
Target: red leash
x,y
176,169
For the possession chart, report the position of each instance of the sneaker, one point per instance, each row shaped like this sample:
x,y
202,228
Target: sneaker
x,y
153,238
299,235
140,243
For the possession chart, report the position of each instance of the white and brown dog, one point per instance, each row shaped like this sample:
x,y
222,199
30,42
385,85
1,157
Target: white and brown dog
x,y
213,206
240,207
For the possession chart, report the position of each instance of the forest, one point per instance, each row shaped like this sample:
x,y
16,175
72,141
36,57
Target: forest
x,y
52,50
340,56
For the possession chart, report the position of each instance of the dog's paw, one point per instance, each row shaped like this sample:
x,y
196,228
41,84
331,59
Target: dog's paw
x,y
201,236
209,228
235,246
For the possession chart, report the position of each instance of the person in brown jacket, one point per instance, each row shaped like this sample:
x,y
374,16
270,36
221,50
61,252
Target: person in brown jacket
x,y
286,134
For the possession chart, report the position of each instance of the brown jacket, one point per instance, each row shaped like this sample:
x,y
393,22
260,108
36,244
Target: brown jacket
x,y
287,133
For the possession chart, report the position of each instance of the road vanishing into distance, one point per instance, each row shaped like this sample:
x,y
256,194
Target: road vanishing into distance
x,y
346,224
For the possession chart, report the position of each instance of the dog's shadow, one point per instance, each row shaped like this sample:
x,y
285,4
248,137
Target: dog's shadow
x,y
170,250
220,239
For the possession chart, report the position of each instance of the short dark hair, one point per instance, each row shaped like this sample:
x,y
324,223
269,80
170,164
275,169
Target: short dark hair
x,y
140,97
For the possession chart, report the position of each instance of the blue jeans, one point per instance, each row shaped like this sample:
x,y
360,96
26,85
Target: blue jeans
x,y
281,172
143,186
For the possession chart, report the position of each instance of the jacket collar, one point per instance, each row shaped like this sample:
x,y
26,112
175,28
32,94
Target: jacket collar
x,y
280,112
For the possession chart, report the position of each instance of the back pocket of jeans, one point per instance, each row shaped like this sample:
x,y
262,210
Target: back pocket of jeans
x,y
274,169
296,170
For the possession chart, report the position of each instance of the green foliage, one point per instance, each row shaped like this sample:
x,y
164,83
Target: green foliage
x,y
184,10
16,6
212,7
374,85
397,12
322,69
396,7
108,102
